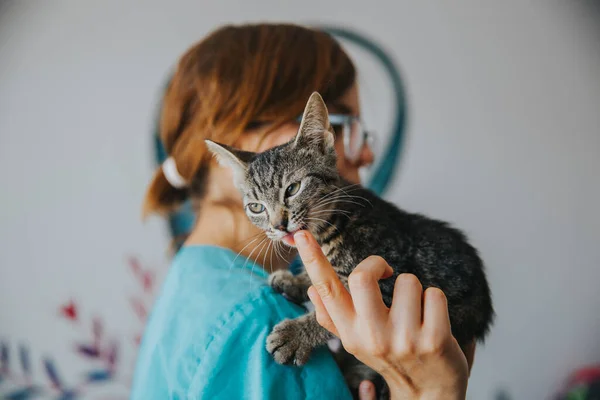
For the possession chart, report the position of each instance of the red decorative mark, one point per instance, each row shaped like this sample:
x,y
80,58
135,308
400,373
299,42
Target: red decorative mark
x,y
135,266
145,277
139,308
88,351
69,311
147,281
111,356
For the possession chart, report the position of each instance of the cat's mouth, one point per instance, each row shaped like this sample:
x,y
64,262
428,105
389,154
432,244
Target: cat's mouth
x,y
289,238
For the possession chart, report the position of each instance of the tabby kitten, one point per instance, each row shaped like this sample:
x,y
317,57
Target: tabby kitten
x,y
297,186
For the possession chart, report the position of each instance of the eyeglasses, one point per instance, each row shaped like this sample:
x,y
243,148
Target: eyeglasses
x,y
354,134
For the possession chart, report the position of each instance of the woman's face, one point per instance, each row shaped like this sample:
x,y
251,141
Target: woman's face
x,y
347,104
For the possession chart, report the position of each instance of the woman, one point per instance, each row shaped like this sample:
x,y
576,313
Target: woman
x,y
242,86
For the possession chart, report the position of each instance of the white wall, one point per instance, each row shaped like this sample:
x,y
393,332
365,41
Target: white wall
x,y
504,125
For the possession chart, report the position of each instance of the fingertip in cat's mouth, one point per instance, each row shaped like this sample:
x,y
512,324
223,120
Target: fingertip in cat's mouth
x,y
289,239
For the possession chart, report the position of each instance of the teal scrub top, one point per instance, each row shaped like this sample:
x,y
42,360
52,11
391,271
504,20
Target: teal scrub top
x,y
206,336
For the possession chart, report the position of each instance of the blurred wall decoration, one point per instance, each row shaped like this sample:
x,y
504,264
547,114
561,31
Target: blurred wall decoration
x,y
105,371
502,139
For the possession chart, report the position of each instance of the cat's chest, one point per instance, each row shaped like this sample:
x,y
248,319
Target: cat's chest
x,y
337,255
332,248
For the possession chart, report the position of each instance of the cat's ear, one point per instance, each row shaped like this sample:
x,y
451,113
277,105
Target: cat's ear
x,y
232,158
315,128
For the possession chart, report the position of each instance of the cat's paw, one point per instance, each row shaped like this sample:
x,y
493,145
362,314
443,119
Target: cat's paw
x,y
286,283
288,343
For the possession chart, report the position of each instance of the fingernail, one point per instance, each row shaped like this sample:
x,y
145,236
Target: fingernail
x,y
365,388
389,271
311,293
300,238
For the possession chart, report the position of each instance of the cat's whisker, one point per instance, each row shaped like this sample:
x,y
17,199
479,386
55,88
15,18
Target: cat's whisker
x,y
312,225
273,250
338,196
345,189
330,212
327,213
283,249
265,257
278,250
324,205
347,196
252,239
333,210
258,257
319,219
341,200
360,198
353,187
322,220
271,254
256,237
332,196
253,250
239,253
352,197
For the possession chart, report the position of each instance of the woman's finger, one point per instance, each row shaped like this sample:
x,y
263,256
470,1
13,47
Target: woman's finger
x,y
405,312
364,288
323,317
332,292
436,321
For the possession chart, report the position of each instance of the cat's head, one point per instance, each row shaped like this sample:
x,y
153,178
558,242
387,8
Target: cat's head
x,y
284,187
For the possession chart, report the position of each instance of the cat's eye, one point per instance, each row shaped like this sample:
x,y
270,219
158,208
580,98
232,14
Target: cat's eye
x,y
292,189
256,208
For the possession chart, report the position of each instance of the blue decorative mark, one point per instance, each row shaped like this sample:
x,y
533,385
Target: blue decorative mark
x,y
4,357
25,360
22,394
52,373
99,376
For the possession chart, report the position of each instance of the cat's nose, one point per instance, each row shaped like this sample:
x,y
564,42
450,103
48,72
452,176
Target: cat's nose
x,y
280,226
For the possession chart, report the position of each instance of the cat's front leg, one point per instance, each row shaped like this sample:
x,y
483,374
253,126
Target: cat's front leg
x,y
294,287
292,340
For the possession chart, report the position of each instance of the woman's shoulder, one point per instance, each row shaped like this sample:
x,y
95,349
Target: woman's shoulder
x,y
210,325
216,283
208,288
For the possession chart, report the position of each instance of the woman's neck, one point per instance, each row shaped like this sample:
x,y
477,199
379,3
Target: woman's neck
x,y
221,221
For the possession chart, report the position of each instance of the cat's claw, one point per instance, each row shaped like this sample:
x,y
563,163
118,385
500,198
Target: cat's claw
x,y
287,343
284,282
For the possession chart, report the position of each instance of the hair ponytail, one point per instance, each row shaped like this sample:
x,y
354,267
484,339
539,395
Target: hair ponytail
x,y
161,196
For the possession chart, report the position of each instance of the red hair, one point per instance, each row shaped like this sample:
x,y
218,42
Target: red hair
x,y
236,77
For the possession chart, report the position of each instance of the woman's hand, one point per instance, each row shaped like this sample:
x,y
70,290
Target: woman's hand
x,y
409,344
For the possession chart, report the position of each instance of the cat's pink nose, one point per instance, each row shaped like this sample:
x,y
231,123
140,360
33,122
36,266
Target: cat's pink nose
x,y
282,224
